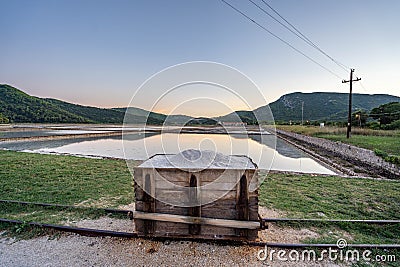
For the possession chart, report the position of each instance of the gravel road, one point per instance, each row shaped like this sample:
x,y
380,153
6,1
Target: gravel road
x,y
75,250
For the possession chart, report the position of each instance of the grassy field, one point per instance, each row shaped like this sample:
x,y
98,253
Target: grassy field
x,y
387,141
64,179
108,183
305,196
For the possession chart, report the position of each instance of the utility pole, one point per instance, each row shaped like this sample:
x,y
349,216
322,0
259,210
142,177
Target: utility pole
x,y
302,112
350,99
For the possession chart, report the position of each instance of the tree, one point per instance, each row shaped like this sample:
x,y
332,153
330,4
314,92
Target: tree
x,y
386,113
3,119
359,118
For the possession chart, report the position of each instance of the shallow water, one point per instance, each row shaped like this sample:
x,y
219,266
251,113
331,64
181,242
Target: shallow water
x,y
140,146
40,133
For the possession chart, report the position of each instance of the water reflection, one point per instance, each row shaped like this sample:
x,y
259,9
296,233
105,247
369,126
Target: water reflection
x,y
282,147
140,146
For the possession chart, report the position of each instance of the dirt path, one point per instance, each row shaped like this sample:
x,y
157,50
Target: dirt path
x,y
75,250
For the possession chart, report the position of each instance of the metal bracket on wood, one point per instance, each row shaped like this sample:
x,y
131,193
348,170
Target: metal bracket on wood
x,y
263,224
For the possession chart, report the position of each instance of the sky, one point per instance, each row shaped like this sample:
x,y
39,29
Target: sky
x,y
98,53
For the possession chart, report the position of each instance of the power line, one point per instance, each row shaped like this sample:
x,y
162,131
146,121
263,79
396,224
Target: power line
x,y
277,20
303,36
362,86
280,39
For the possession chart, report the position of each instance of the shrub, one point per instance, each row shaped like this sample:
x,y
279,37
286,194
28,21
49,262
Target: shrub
x,y
373,125
392,126
380,153
389,158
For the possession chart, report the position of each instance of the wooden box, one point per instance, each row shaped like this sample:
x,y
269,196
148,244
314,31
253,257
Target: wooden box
x,y
199,194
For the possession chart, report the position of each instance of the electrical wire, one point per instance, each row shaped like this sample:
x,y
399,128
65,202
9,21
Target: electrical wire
x,y
280,39
362,86
303,36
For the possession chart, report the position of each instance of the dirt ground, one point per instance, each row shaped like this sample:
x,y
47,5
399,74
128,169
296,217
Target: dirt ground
x,y
75,250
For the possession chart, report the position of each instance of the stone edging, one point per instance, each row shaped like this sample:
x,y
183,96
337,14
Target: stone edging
x,y
359,156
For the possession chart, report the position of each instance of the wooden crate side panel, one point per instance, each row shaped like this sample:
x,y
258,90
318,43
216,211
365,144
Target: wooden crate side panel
x,y
174,185
139,226
171,229
162,207
217,232
221,209
172,175
253,208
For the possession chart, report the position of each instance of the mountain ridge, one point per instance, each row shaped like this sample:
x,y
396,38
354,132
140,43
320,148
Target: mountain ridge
x,y
17,106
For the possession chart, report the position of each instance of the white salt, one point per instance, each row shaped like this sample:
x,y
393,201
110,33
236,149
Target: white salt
x,y
199,159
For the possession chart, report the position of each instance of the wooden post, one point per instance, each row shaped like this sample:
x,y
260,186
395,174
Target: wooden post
x,y
243,203
148,204
194,210
350,101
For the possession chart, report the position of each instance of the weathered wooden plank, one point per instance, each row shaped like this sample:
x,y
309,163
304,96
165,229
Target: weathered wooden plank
x,y
253,213
212,195
139,205
225,186
194,229
169,209
137,173
196,220
176,197
148,202
219,176
216,231
171,228
138,192
243,204
173,175
219,213
253,200
161,207
203,236
167,184
139,226
221,209
223,203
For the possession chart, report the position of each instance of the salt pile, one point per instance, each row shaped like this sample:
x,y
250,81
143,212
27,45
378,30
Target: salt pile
x,y
199,159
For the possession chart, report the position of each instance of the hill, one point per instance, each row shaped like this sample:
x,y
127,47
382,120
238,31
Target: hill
x,y
18,106
322,106
93,114
317,106
239,116
156,118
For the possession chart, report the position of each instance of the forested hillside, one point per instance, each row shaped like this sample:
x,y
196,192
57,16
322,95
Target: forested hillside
x,y
17,106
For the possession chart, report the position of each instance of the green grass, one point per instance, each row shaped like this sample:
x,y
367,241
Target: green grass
x,y
389,144
316,130
305,196
384,142
64,179
342,198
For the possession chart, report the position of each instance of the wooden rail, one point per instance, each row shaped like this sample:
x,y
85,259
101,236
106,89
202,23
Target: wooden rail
x,y
196,220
